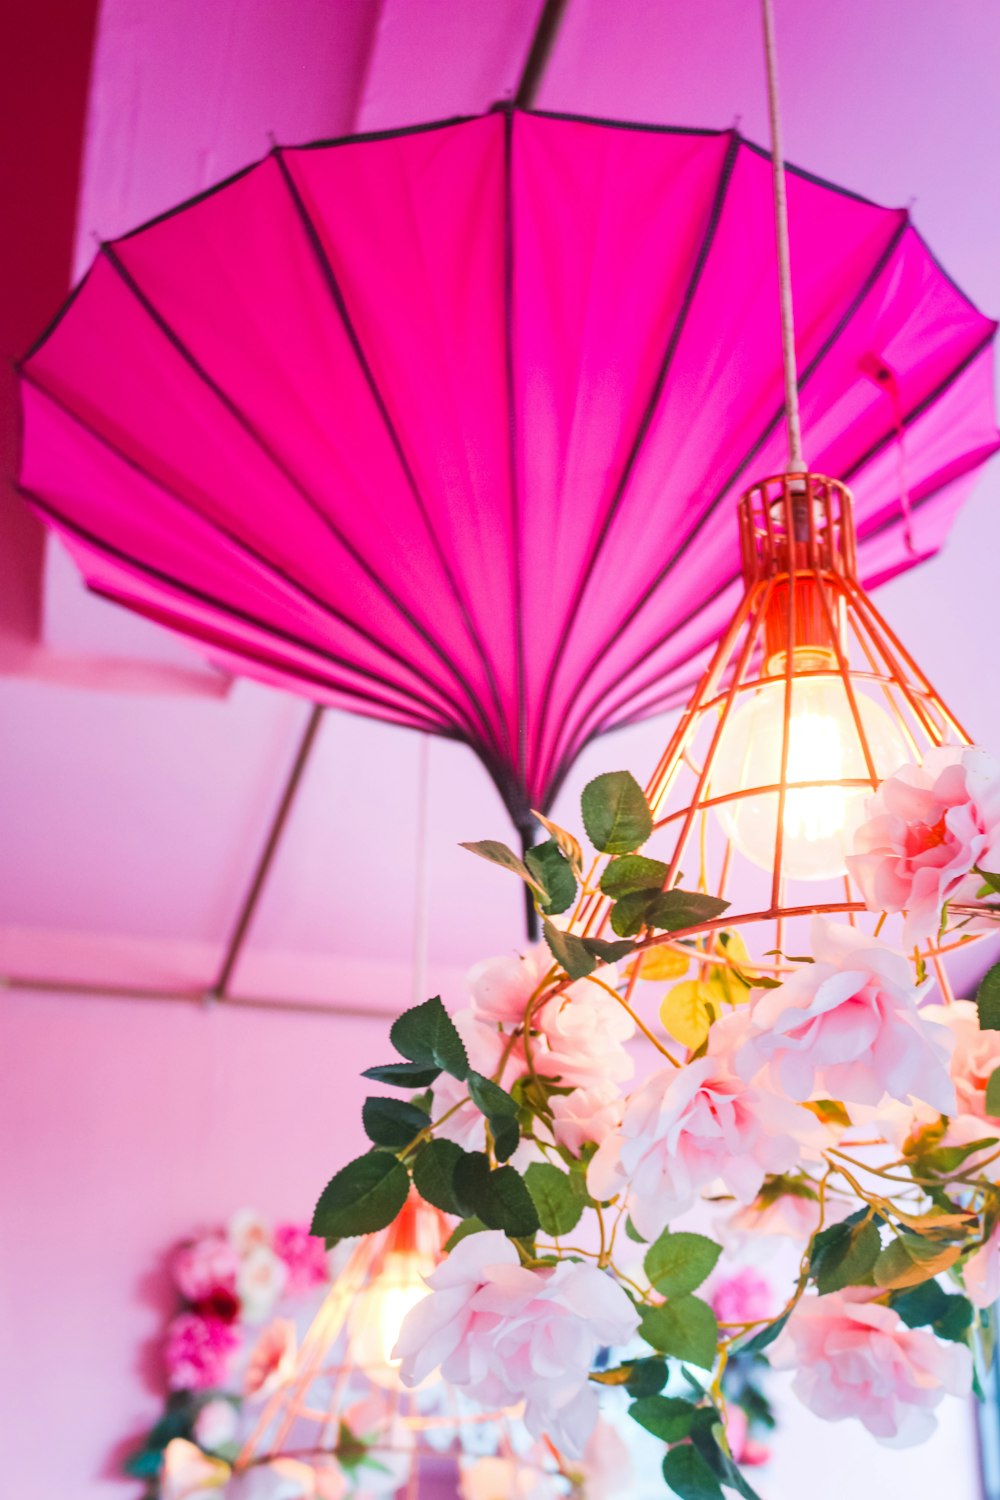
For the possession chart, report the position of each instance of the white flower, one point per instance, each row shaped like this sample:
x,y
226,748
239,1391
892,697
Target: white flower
x,y
247,1230
216,1425
260,1282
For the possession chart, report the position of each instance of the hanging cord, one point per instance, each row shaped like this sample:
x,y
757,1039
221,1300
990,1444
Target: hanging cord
x,y
421,905
796,462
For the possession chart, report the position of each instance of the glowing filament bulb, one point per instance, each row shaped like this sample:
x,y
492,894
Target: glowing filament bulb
x,y
379,1310
824,748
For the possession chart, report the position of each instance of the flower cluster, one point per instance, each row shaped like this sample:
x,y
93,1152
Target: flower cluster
x,y
830,1098
220,1349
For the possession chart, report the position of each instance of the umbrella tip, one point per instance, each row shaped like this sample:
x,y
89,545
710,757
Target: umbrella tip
x,y
272,140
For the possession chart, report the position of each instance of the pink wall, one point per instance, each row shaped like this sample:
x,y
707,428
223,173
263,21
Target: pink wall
x,y
124,1127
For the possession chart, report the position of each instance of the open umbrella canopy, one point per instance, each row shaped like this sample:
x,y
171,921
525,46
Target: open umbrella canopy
x,y
445,425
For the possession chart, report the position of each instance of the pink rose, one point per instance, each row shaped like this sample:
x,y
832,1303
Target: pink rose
x,y
484,1045
928,825
197,1351
304,1256
189,1474
204,1268
847,1027
744,1297
608,1473
582,1036
854,1358
586,1115
500,988
981,1272
975,1058
272,1361
745,1450
505,1334
685,1128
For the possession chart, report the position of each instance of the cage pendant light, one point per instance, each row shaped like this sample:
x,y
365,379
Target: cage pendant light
x,y
342,1408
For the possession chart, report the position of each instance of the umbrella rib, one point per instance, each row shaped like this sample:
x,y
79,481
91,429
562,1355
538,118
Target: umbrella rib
x,y
109,550
808,371
275,459
645,422
333,286
265,561
528,824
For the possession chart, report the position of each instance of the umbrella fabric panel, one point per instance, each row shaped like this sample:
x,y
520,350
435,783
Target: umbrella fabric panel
x,y
446,425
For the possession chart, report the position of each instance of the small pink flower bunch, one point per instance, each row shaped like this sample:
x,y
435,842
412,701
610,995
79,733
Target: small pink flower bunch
x,y
197,1351
303,1256
504,1333
743,1297
929,827
855,1358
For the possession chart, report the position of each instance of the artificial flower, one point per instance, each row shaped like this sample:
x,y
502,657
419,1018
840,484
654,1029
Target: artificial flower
x,y
205,1267
260,1282
741,1297
272,1361
505,1333
981,1272
189,1474
606,1465
197,1351
500,988
586,1115
745,1449
582,1035
855,1358
928,827
792,1213
289,1479
848,1027
247,1230
304,1256
216,1425
685,1128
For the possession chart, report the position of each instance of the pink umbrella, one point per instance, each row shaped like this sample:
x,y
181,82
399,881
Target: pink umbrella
x,y
445,425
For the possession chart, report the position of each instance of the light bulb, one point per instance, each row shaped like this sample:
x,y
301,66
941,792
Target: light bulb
x,y
378,1312
818,822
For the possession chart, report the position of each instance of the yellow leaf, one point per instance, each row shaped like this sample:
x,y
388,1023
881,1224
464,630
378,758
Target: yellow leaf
x,y
733,974
689,1009
660,963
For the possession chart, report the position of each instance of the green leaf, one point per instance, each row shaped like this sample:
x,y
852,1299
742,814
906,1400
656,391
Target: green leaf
x,y
765,1336
846,1257
633,872
499,854
930,1306
403,1075
500,1111
684,1327
616,814
676,909
568,951
392,1122
909,1260
498,1197
948,1158
558,1202
427,1034
678,1263
364,1196
633,1233
992,882
567,842
434,1174
648,1377
554,873
988,1000
607,952
689,1476
993,1094
462,1232
666,1417
670,911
